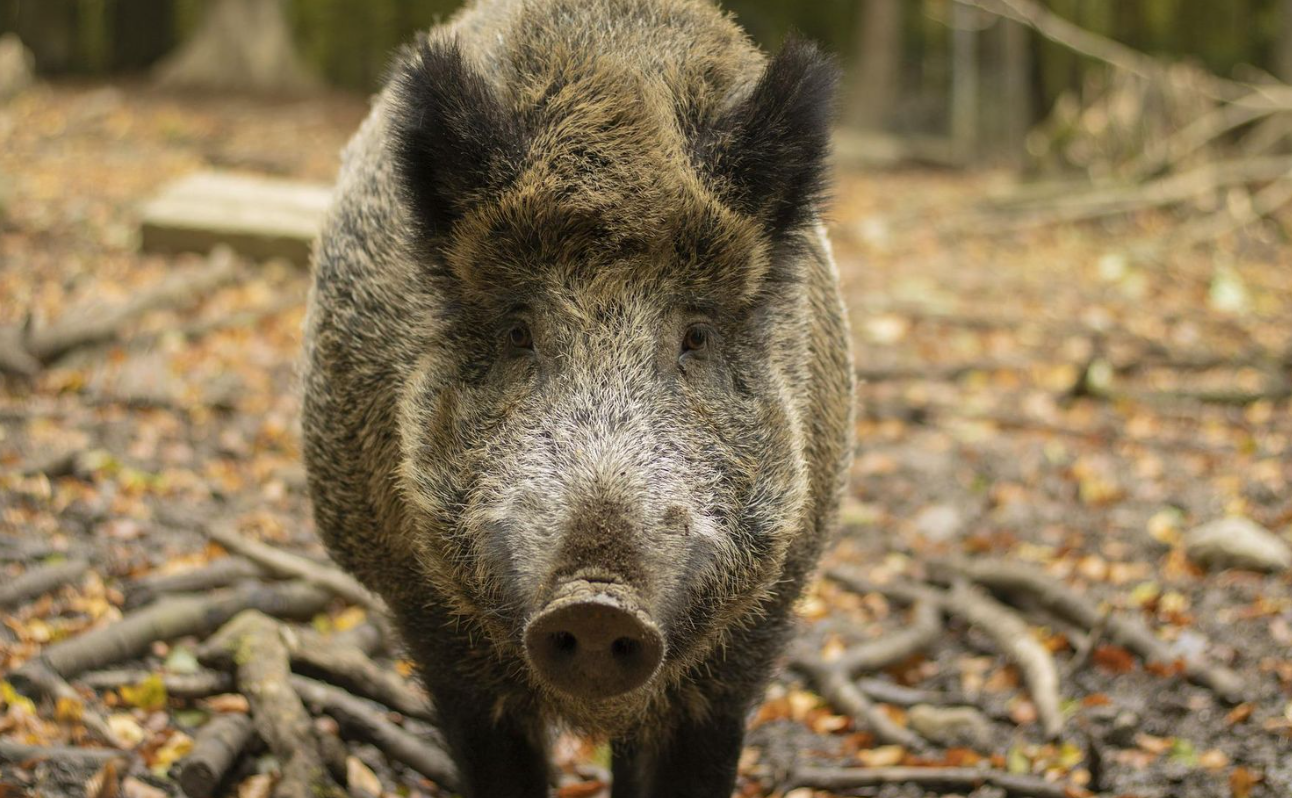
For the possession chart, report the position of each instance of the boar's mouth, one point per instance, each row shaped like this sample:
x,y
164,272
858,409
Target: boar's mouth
x,y
593,641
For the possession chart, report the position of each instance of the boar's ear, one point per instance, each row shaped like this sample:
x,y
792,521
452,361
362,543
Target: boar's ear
x,y
771,148
454,143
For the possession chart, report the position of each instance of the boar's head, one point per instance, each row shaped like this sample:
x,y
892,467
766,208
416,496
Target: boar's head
x,y
605,448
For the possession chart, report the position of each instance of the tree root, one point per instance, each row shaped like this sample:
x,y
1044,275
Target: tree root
x,y
18,754
263,673
1123,630
223,572
958,779
1009,632
315,655
216,748
134,634
38,581
178,685
287,565
1013,637
36,678
28,349
835,679
360,720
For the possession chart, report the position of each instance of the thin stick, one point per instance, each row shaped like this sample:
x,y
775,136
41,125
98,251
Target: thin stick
x,y
959,779
17,754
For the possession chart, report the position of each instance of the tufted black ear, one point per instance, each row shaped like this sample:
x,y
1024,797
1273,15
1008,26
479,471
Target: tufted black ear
x,y
453,141
771,148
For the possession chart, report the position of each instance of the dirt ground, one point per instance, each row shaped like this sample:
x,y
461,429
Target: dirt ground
x,y
1075,399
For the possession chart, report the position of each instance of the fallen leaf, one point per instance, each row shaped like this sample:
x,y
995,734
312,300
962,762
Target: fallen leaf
x,y
149,694
581,789
359,776
1114,659
883,756
103,784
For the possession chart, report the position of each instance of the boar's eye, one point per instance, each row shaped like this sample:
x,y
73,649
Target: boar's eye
x,y
518,337
696,339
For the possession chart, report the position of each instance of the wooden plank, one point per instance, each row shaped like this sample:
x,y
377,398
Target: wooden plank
x,y
258,217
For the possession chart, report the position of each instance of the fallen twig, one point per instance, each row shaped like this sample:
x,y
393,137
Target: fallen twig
x,y
960,779
216,747
38,581
16,754
180,685
360,719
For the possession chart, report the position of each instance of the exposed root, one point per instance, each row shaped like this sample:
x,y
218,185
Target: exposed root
x,y
133,635
835,679
958,779
314,654
38,581
362,721
179,685
1123,630
285,564
223,572
27,350
18,754
216,748
36,678
263,672
1009,632
1012,635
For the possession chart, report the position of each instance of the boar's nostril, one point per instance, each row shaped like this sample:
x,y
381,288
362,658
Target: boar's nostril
x,y
564,643
593,646
624,648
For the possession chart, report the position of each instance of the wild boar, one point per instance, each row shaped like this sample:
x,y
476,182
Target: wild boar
x,y
578,384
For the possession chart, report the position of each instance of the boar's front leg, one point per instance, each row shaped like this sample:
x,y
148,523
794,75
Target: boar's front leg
x,y
697,760
495,759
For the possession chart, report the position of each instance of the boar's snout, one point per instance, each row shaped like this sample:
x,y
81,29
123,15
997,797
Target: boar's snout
x,y
593,641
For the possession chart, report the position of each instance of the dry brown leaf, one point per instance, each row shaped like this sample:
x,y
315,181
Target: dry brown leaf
x,y
104,783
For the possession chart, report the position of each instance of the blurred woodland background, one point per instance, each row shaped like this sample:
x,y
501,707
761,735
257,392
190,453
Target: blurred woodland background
x,y
1065,562
915,67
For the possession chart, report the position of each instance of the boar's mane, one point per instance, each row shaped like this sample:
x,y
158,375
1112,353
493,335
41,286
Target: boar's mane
x,y
710,170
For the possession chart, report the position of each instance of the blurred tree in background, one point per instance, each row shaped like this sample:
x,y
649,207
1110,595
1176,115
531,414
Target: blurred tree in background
x,y
915,66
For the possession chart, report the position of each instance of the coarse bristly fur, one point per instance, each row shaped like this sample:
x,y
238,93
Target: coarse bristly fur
x,y
603,175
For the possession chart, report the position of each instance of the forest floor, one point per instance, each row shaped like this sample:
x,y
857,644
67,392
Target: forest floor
x,y
1075,399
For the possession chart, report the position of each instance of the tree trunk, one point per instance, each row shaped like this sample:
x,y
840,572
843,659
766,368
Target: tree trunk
x,y
964,81
878,63
240,45
1016,89
1284,60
